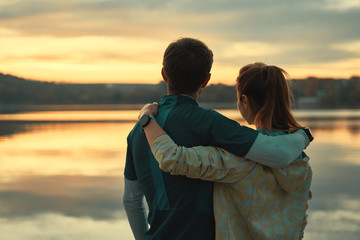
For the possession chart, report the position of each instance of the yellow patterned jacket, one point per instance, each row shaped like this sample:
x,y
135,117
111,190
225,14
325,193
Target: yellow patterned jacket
x,y
251,201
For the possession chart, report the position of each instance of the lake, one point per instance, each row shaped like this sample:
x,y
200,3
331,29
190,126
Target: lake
x,y
62,174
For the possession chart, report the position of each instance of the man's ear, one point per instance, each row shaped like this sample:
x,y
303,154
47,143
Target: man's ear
x,y
163,74
203,85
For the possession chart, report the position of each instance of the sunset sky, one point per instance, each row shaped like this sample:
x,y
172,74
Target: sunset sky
x,y
118,41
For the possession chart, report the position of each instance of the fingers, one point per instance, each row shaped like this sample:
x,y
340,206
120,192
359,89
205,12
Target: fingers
x,y
149,108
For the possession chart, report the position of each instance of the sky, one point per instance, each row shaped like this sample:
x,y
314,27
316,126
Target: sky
x,y
118,41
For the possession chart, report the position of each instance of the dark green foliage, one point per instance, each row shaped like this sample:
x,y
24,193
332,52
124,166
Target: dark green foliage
x,y
329,93
218,93
14,90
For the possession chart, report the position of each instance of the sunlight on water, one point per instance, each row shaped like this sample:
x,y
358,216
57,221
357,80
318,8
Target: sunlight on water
x,y
341,138
63,181
129,115
71,148
62,175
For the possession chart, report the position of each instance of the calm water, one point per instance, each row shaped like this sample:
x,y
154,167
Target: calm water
x,y
62,174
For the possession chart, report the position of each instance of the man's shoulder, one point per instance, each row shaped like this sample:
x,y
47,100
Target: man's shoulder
x,y
213,115
198,110
183,105
133,131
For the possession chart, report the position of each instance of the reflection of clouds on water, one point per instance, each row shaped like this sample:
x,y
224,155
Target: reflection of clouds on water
x,y
332,125
336,173
65,180
334,211
57,226
78,196
338,148
334,225
10,128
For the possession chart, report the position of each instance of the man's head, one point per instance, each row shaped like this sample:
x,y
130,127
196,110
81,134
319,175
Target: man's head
x,y
186,65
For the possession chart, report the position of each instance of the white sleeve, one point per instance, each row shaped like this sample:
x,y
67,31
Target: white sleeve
x,y
133,200
278,151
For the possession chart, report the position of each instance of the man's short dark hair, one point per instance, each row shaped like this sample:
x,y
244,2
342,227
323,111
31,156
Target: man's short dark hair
x,y
187,63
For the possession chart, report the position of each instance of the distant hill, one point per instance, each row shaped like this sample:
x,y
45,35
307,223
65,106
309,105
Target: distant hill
x,y
308,93
15,90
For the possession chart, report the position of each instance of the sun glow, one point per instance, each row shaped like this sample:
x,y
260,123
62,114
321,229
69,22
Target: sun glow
x,y
107,42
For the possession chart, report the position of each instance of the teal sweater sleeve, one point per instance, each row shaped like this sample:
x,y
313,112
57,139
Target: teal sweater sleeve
x,y
278,151
133,201
273,151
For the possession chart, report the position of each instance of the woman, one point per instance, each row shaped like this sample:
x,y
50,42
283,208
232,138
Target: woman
x,y
251,201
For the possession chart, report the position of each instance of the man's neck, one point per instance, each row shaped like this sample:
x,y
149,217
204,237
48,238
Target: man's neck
x,y
194,95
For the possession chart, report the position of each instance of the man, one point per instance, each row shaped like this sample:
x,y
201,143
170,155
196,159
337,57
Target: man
x,y
179,207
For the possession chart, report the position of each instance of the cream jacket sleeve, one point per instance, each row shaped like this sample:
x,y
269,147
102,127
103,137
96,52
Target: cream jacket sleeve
x,y
206,163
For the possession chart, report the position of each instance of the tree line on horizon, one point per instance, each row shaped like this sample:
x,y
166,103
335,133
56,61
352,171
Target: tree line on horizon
x,y
316,92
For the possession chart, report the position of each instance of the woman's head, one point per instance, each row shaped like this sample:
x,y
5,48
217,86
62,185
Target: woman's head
x,y
264,97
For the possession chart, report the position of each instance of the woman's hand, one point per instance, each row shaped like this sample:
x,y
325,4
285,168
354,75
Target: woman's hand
x,y
152,129
149,108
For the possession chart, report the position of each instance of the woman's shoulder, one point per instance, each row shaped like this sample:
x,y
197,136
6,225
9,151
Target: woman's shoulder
x,y
273,132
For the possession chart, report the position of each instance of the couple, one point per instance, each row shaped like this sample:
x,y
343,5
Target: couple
x,y
227,181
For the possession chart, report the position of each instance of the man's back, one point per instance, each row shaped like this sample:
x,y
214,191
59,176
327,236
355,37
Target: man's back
x,y
181,208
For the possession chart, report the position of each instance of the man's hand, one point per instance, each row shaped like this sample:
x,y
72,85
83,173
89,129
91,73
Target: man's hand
x,y
149,108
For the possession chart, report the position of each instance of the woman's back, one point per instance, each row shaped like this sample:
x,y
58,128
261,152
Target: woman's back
x,y
268,203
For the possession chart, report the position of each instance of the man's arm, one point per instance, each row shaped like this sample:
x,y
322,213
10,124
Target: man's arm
x,y
134,206
273,151
278,151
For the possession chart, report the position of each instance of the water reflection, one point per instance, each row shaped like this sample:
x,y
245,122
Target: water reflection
x,y
8,128
57,226
96,197
63,179
72,116
64,148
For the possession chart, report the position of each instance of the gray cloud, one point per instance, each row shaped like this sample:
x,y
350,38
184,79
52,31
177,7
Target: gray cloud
x,y
313,54
248,20
298,25
309,28
294,55
20,8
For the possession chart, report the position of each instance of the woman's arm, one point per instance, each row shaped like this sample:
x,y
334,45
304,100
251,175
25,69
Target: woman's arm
x,y
206,163
153,131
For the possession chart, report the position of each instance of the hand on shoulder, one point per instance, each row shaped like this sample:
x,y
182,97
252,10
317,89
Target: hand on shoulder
x,y
149,108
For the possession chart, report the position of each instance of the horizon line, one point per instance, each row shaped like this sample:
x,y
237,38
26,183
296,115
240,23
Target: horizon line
x,y
161,81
